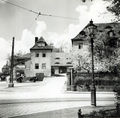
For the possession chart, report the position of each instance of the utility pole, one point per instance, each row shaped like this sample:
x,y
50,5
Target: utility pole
x,y
11,84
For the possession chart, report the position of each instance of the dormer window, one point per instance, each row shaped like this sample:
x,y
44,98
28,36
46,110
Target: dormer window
x,y
82,33
108,27
41,44
111,33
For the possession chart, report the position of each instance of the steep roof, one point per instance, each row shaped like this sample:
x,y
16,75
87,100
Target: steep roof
x,y
41,40
38,47
101,27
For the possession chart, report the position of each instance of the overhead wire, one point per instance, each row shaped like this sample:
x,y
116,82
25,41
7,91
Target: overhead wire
x,y
38,13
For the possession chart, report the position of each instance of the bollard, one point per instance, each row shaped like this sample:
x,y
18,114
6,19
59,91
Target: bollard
x,y
80,114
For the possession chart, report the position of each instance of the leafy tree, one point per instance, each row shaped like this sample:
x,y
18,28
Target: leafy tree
x,y
81,60
106,54
107,51
114,8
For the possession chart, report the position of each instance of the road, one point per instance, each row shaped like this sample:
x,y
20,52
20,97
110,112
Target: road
x,y
48,95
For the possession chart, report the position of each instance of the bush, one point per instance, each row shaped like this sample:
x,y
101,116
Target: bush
x,y
102,114
117,89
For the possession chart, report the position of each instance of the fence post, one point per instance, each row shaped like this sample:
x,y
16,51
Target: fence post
x,y
68,80
80,114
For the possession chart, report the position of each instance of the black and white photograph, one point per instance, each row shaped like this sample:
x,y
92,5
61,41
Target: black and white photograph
x,y
59,59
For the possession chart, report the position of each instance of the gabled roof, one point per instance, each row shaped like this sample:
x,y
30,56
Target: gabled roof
x,y
38,47
101,27
41,40
24,57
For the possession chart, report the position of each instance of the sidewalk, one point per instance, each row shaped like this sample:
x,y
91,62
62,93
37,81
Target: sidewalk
x,y
65,113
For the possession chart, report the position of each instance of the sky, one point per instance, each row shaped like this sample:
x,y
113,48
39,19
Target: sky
x,y
24,27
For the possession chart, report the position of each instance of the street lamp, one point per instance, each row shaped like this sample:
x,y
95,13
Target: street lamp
x,y
91,28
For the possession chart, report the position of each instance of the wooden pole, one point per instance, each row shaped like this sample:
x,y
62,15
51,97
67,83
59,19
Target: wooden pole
x,y
11,84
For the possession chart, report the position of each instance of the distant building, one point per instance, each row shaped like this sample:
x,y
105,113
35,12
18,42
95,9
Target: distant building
x,y
44,58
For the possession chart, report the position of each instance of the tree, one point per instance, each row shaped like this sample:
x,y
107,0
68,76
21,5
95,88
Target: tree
x,y
114,8
17,59
106,54
81,60
107,51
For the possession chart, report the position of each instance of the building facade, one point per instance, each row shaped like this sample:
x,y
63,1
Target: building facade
x,y
45,59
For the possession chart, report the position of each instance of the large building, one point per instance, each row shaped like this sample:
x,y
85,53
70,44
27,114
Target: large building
x,y
109,31
107,35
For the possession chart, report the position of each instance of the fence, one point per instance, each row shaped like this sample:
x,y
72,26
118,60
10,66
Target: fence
x,y
103,81
100,114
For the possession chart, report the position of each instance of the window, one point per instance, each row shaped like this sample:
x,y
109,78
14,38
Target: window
x,y
41,44
43,55
57,58
69,63
82,33
36,66
43,65
111,34
57,63
37,55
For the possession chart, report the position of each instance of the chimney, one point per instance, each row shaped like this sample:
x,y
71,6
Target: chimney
x,y
36,39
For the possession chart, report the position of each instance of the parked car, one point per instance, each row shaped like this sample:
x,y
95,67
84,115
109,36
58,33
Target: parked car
x,y
33,79
19,79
